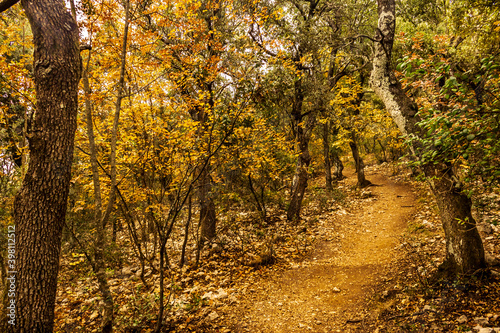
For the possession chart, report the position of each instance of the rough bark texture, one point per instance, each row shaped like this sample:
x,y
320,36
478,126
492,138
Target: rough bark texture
x,y
464,247
40,206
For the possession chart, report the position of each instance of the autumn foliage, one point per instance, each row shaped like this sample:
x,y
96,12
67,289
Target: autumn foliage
x,y
217,109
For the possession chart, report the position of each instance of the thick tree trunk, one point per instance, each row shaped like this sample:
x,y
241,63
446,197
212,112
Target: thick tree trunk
x,y
301,174
465,253
326,155
464,247
40,205
208,217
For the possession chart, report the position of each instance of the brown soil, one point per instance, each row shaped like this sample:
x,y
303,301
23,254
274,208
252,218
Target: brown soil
x,y
329,290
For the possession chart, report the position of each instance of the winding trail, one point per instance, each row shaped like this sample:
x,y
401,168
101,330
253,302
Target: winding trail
x,y
329,291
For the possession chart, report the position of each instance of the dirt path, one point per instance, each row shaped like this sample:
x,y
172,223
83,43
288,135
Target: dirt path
x,y
328,291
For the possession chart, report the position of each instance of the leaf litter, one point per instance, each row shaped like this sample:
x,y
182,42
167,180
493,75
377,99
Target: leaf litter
x,y
359,261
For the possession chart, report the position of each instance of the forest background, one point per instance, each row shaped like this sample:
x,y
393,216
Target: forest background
x,y
201,122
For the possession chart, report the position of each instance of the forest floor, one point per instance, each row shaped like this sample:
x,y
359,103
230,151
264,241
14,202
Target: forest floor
x,y
359,261
328,290
373,270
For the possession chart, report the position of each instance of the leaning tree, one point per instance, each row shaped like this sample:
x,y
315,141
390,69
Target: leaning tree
x,y
464,248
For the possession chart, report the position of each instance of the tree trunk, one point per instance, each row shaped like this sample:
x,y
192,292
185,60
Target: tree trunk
x,y
40,205
326,155
464,248
335,158
301,174
186,232
260,207
360,165
383,150
208,216
339,166
302,135
98,264
161,307
100,219
299,189
208,219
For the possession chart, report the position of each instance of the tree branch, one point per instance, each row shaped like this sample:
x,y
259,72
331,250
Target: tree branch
x,y
6,4
259,43
368,37
300,10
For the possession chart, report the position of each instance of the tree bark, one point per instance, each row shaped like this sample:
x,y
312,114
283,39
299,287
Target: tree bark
x,y
98,265
335,158
100,219
339,166
326,155
302,137
360,165
383,150
161,307
208,218
40,205
464,248
261,207
186,232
